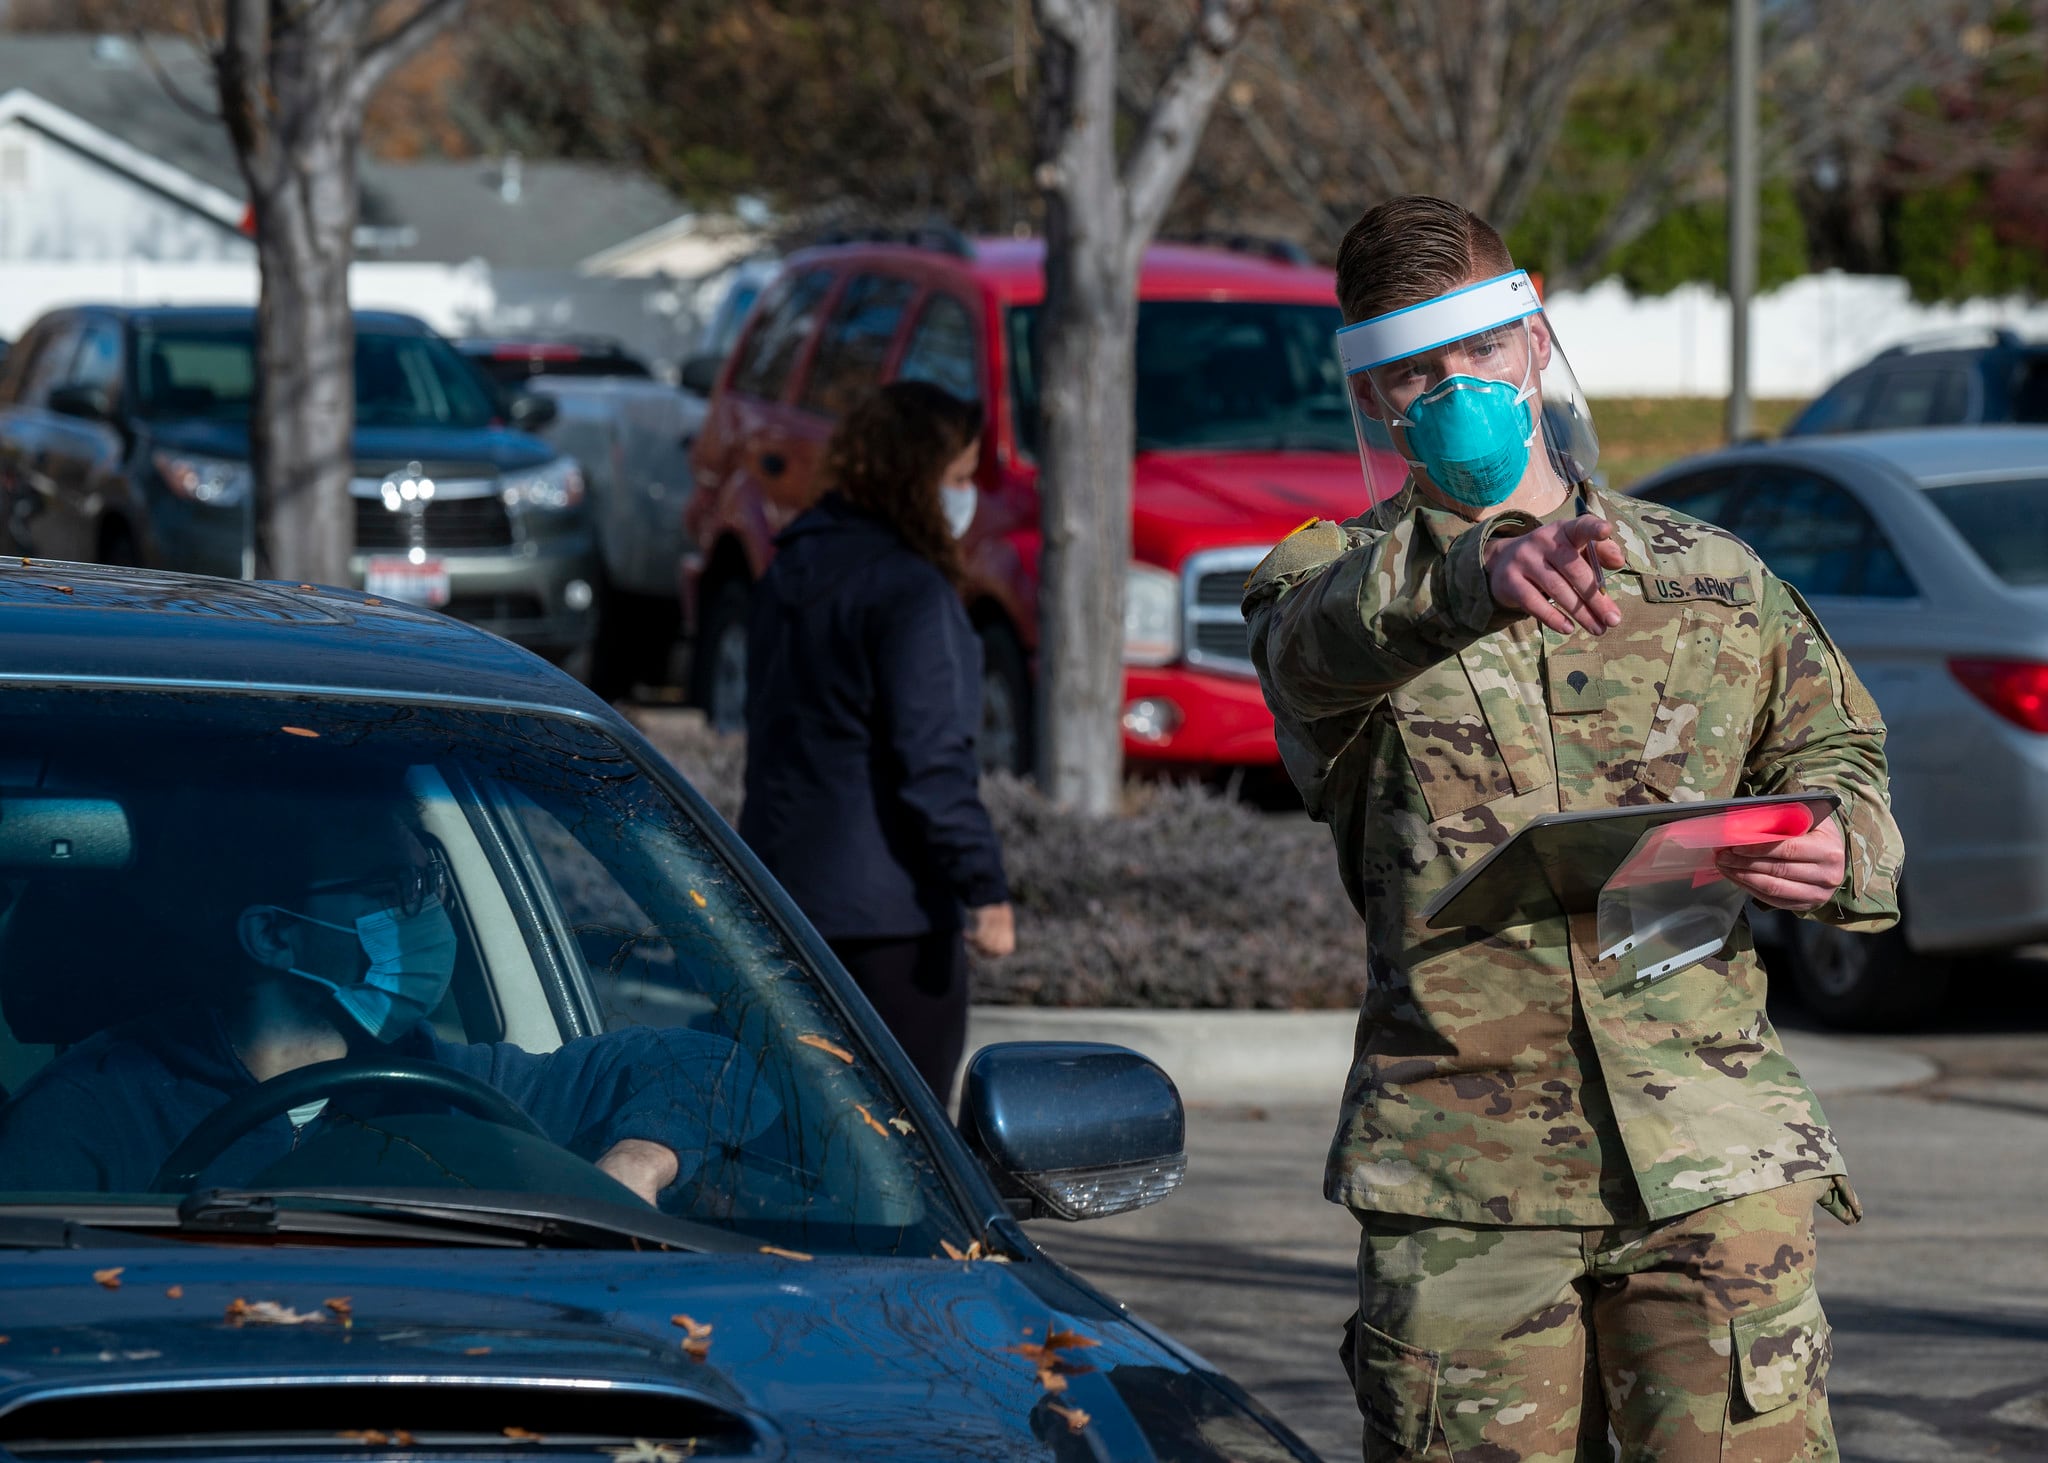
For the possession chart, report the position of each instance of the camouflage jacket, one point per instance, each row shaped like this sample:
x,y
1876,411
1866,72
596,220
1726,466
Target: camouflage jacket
x,y
1506,1076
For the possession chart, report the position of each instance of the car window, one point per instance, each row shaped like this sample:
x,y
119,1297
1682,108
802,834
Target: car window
x,y
20,361
510,897
2030,390
195,370
777,339
98,362
1815,535
1217,376
2004,521
1918,397
1708,495
1838,408
856,342
410,380
51,367
942,349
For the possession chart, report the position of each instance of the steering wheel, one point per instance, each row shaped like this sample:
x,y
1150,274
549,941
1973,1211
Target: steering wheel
x,y
217,1132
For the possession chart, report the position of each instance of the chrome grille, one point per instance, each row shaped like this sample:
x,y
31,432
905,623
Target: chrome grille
x,y
1212,587
451,523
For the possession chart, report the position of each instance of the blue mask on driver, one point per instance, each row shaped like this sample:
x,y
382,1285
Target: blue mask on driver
x,y
412,960
1472,437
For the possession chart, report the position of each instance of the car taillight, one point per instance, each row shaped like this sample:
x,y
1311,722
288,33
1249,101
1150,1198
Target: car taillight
x,y
2016,689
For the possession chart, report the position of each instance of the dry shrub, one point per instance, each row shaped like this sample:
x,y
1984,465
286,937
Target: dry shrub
x,y
1190,900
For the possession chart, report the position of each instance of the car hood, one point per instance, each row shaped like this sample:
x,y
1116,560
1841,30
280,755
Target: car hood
x,y
500,447
1183,501
838,1358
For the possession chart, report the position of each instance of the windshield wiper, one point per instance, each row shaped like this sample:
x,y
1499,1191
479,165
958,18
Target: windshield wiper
x,y
437,1217
55,1232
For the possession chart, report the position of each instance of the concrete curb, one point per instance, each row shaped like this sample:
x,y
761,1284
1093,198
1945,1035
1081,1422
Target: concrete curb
x,y
1283,1058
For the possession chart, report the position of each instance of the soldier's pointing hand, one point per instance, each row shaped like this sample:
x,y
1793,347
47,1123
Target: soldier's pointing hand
x,y
1554,573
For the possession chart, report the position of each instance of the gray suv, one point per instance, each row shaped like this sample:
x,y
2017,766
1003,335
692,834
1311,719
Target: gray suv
x,y
124,439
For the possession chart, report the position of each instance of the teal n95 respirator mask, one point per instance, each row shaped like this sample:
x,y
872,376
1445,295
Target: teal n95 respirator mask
x,y
1468,393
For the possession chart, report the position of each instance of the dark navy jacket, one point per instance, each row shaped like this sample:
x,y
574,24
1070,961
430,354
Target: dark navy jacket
x,y
863,700
105,1115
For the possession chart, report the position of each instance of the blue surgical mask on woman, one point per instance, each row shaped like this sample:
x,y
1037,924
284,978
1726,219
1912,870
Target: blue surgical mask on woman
x,y
412,961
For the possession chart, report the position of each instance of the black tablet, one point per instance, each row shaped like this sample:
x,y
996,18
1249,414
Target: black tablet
x,y
1557,863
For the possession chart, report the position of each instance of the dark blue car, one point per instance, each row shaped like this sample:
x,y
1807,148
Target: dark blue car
x,y
124,439
399,1059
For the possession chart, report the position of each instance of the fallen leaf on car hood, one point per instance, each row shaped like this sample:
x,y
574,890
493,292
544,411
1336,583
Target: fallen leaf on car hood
x,y
697,1341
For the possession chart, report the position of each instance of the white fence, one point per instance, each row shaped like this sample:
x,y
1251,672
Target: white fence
x,y
1803,335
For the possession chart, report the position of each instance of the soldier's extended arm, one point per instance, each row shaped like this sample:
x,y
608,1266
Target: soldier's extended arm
x,y
1341,616
1816,727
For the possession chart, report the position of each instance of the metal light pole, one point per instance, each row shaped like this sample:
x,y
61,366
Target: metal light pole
x,y
1742,207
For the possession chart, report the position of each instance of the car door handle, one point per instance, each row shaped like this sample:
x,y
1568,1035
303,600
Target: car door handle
x,y
774,464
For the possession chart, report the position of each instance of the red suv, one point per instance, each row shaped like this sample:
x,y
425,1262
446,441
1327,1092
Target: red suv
x,y
1242,434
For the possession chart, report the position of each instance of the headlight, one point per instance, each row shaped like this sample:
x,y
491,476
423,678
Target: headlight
x,y
214,481
551,487
1151,615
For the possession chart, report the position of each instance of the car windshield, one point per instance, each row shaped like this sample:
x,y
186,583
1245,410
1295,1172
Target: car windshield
x,y
201,890
1217,376
402,379
2005,520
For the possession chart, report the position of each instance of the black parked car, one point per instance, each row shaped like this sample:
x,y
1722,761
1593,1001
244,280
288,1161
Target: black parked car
x,y
382,1254
1941,381
124,439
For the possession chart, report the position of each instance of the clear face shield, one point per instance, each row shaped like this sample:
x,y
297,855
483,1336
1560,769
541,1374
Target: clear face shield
x,y
1472,393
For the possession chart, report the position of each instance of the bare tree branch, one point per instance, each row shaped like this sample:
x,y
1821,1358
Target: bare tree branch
x,y
382,55
1286,167
1383,78
172,87
238,64
1174,129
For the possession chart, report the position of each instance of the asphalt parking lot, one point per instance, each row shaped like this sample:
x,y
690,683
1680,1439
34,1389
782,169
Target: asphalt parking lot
x,y
1939,1299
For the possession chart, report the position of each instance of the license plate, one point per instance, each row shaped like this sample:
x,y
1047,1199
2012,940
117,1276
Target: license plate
x,y
424,583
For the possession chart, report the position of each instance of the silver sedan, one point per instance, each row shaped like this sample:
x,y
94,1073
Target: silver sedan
x,y
1925,554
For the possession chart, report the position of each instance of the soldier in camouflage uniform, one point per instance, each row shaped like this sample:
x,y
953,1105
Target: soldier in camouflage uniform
x,y
1586,1203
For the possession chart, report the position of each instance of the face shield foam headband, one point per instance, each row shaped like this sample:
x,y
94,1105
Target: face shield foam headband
x,y
1453,385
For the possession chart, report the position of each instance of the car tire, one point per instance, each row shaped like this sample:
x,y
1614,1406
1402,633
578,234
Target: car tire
x,y
631,642
1004,742
1861,982
718,668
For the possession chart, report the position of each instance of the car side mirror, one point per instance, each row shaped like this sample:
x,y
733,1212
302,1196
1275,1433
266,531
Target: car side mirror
x,y
92,403
700,373
1072,1129
532,410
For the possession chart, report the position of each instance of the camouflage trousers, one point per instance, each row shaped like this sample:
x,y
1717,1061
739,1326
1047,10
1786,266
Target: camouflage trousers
x,y
1694,1339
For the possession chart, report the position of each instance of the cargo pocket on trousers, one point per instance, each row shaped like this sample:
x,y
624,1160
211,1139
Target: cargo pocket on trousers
x,y
1396,1387
1781,1355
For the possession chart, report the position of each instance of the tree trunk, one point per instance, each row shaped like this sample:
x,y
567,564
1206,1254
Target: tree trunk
x,y
1098,220
301,445
294,81
1088,335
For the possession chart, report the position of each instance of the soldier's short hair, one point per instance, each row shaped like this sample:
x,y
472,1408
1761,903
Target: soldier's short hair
x,y
1410,249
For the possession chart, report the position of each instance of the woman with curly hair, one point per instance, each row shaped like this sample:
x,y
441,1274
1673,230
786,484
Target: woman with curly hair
x,y
863,700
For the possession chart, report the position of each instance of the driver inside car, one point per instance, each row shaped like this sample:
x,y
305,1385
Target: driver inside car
x,y
346,955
